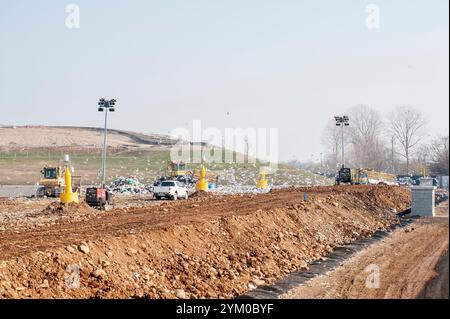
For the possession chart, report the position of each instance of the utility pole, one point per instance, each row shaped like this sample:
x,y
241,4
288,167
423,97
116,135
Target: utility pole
x,y
392,154
342,147
321,162
105,106
342,121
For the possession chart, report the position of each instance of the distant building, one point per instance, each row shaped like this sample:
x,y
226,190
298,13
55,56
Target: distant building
x,y
443,181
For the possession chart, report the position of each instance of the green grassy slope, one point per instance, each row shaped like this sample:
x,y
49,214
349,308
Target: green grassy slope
x,y
23,167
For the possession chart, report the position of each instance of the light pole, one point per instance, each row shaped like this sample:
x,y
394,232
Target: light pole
x,y
105,106
342,121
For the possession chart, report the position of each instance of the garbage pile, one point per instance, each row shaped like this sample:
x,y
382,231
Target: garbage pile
x,y
236,176
129,186
441,195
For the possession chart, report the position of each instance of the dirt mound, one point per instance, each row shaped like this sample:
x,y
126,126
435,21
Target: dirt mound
x,y
201,194
64,209
21,214
208,247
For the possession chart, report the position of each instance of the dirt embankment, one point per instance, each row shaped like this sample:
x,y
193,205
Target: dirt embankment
x,y
204,247
411,263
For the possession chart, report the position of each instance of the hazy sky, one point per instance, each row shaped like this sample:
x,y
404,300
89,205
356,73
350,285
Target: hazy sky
x,y
285,64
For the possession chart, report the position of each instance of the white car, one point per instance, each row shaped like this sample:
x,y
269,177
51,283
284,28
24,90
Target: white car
x,y
170,189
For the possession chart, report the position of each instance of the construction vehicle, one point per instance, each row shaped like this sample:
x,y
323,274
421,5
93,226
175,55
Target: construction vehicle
x,y
52,182
98,197
177,172
364,176
175,169
373,177
344,176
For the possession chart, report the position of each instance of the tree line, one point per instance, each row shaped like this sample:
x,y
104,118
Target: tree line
x,y
397,143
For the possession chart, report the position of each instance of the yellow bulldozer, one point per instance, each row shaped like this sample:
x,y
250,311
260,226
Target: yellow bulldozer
x,y
52,182
175,169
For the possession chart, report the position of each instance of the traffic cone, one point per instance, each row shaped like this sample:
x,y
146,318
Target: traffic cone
x,y
202,184
262,183
68,196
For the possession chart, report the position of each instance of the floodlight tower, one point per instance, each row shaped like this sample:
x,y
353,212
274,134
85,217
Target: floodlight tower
x,y
105,106
342,121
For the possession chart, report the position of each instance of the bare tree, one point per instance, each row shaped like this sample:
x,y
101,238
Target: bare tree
x,y
422,159
392,155
439,155
407,126
365,131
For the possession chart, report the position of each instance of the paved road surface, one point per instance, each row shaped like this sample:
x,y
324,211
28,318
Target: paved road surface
x,y
17,190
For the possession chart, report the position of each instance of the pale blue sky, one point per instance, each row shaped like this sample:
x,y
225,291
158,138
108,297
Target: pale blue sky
x,y
285,64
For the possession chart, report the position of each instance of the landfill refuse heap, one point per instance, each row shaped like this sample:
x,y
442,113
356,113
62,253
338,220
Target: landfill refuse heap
x,y
441,195
129,185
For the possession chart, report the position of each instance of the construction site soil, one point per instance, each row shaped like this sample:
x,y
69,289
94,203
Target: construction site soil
x,y
205,247
412,262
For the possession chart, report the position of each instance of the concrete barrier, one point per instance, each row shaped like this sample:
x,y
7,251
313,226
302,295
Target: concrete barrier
x,y
423,200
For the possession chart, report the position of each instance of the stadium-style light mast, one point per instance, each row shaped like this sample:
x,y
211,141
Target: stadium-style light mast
x,y
105,106
342,121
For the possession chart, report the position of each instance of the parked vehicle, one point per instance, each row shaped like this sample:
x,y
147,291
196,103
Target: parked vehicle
x,y
171,190
405,181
